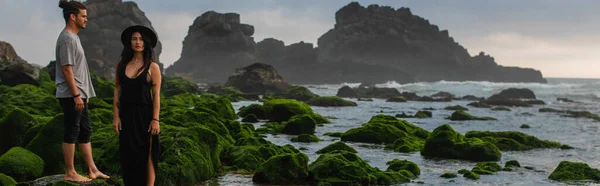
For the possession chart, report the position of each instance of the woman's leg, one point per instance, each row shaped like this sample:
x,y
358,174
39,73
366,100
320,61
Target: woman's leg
x,y
151,174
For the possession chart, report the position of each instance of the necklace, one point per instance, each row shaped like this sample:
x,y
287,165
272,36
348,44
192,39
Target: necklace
x,y
137,64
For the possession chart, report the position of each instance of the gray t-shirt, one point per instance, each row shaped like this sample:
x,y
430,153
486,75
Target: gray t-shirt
x,y
70,52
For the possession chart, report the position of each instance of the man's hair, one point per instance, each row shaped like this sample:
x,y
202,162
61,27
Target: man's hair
x,y
70,7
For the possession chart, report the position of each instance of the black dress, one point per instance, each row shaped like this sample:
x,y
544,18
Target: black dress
x,y
135,112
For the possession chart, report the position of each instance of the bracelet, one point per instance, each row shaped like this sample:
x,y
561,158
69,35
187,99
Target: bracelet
x,y
155,119
76,95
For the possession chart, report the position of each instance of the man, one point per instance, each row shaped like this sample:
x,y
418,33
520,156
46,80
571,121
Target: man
x,y
73,89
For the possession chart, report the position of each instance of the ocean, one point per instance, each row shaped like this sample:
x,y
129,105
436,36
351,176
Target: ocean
x,y
581,133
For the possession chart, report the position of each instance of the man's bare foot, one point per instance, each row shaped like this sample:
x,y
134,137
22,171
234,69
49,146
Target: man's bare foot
x,y
98,174
74,177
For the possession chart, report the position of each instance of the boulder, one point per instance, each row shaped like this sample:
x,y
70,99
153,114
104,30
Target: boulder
x,y
347,92
21,164
337,146
17,73
572,171
257,78
283,169
513,93
444,142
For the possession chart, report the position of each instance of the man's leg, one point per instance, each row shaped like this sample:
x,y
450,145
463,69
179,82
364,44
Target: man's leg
x,y
71,130
85,134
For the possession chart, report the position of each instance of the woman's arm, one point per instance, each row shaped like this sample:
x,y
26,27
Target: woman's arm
x,y
116,119
156,83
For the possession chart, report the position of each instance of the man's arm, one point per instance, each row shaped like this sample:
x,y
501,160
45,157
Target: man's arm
x,y
67,72
67,59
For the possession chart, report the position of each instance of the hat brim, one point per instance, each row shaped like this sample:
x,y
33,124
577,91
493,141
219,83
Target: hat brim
x,y
145,31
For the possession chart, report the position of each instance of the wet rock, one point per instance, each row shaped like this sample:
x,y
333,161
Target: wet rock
x,y
306,138
514,141
456,107
257,78
397,165
449,175
396,99
250,118
347,92
337,146
513,93
284,169
566,171
330,101
462,116
444,142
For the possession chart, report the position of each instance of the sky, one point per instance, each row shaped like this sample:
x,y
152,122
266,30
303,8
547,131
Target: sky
x,y
559,38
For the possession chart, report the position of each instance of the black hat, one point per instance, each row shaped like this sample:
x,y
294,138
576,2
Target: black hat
x,y
145,31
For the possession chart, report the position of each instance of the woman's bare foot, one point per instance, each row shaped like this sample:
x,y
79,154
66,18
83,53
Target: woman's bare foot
x,y
74,177
97,174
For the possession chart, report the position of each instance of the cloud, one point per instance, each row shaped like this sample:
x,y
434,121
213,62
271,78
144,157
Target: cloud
x,y
555,57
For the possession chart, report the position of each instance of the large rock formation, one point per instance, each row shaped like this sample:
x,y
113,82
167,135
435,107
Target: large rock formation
x,y
381,35
298,63
8,53
101,39
215,45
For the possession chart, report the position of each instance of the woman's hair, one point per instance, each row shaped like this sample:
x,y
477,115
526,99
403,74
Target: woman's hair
x,y
70,7
127,55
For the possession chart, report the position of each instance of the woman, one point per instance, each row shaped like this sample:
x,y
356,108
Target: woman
x,y
136,106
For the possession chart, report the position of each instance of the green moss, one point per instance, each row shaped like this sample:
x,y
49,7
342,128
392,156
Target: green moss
x,y
448,175
512,163
307,138
31,99
397,165
48,145
566,171
231,93
463,171
334,134
444,142
279,110
255,109
512,141
330,101
7,180
299,93
525,126
471,175
21,164
345,168
103,88
337,146
456,107
486,168
284,169
172,86
396,99
398,134
423,114
249,153
501,109
575,114
95,103
13,128
300,124
461,116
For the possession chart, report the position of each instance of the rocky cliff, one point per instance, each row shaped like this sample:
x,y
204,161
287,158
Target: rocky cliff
x,y
395,38
14,70
8,53
101,39
215,46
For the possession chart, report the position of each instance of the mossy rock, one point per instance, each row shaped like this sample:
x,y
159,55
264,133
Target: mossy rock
x,y
284,169
21,164
7,180
513,141
512,163
387,129
300,124
448,175
444,142
397,165
337,146
345,168
256,109
31,99
471,175
299,93
13,128
396,99
279,110
95,103
525,126
423,114
501,109
250,118
306,138
172,86
462,116
456,107
463,171
232,93
486,168
334,134
249,153
571,171
479,105
330,101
